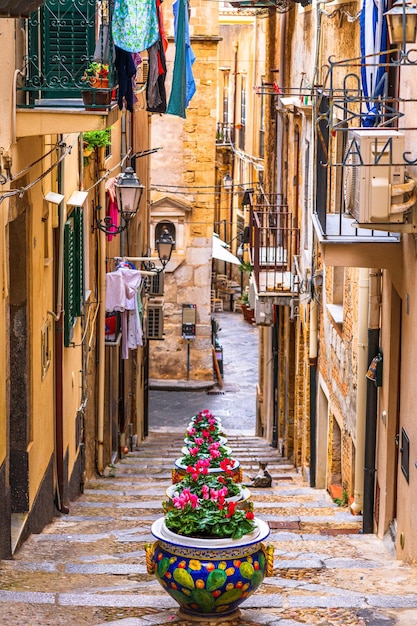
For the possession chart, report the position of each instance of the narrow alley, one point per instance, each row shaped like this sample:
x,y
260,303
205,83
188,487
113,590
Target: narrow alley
x,y
88,567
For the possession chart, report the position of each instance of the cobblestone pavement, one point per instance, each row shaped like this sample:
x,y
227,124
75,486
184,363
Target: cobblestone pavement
x,y
88,567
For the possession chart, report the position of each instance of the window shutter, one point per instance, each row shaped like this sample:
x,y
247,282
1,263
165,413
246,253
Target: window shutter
x,y
73,272
61,45
69,262
79,261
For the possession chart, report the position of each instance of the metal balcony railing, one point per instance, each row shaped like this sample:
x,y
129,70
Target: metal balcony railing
x,y
224,133
62,41
274,242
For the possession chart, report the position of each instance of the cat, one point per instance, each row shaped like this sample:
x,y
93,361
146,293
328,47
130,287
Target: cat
x,y
263,478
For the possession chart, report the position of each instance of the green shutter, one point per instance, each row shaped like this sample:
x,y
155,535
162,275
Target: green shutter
x,y
61,45
79,261
73,272
69,262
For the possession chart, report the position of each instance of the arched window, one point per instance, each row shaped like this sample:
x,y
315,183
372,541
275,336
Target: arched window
x,y
161,227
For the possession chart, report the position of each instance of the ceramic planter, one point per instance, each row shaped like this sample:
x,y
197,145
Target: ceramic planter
x,y
209,578
180,471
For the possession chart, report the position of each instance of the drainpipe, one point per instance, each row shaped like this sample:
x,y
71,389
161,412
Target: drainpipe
x,y
371,404
101,321
313,389
357,504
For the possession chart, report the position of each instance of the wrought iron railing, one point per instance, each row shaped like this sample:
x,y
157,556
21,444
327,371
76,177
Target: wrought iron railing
x,y
224,133
61,44
275,239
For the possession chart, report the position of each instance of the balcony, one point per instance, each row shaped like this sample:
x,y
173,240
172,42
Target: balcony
x,y
274,243
61,44
19,8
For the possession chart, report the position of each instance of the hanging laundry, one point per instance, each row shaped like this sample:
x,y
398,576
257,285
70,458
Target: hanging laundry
x,y
122,287
112,211
126,71
183,83
155,85
135,24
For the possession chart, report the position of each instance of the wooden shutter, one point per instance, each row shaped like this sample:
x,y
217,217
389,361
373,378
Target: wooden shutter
x,y
61,45
73,272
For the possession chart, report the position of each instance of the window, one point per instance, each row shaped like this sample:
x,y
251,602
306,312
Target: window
x,y
335,307
73,272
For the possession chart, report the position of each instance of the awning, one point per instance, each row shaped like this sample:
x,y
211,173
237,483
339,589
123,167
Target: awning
x,y
221,253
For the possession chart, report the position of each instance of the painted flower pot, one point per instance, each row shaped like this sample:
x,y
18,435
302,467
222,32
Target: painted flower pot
x,y
209,577
180,471
242,498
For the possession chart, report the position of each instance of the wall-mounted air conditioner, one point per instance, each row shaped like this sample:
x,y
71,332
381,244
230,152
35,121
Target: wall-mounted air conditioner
x,y
155,321
263,312
156,284
375,186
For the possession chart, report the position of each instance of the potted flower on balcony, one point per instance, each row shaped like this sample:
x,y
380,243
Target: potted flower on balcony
x,y
209,554
97,95
97,75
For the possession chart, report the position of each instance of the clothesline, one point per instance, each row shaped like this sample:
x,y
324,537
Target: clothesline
x,y
136,259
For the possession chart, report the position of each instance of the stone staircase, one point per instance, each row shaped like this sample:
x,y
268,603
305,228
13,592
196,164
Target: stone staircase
x,y
88,567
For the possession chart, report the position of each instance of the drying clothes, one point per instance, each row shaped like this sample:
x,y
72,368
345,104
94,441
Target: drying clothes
x,y
121,295
183,83
155,86
112,211
135,24
126,71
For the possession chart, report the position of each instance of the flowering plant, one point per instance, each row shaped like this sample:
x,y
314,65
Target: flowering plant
x,y
213,453
208,514
197,477
96,71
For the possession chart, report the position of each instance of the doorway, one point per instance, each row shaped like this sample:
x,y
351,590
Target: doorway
x,y
19,413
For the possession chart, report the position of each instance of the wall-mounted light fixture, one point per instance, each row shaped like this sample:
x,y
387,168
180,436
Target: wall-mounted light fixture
x,y
228,182
402,23
128,194
164,246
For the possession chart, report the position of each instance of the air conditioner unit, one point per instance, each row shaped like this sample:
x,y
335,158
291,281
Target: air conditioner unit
x,y
263,312
155,321
156,284
375,190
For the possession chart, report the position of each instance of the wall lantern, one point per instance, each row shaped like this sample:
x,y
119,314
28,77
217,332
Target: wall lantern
x,y
128,194
402,23
164,247
228,182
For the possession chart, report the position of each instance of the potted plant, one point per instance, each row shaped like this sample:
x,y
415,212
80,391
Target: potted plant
x,y
97,75
209,553
97,95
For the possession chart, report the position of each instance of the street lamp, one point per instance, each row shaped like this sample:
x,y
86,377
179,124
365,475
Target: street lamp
x,y
228,182
164,247
128,194
402,22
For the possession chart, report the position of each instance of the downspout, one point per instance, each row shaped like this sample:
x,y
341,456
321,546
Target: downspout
x,y
313,351
101,321
280,124
363,295
371,404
